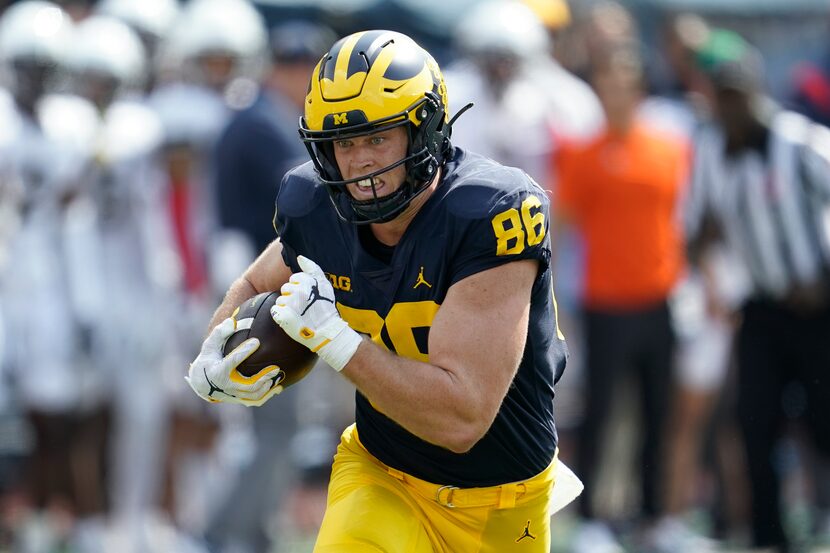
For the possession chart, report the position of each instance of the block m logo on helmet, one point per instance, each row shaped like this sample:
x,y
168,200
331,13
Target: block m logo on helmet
x,y
344,119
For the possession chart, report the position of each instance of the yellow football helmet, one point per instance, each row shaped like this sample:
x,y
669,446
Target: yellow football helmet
x,y
369,82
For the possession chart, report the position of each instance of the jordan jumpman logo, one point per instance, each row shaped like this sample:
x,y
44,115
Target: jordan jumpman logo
x,y
526,533
421,279
314,296
214,387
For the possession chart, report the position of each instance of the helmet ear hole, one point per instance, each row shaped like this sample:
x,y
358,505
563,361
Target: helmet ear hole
x,y
430,140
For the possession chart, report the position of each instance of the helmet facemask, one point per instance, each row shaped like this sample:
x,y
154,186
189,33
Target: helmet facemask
x,y
428,147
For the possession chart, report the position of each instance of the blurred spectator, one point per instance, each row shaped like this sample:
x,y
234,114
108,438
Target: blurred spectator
x,y
609,25
40,160
599,27
679,102
151,19
261,142
259,145
107,62
532,103
214,42
207,62
701,306
762,177
507,72
499,42
181,222
114,290
104,58
574,111
621,190
213,54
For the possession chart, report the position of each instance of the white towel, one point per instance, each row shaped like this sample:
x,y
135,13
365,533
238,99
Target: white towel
x,y
567,487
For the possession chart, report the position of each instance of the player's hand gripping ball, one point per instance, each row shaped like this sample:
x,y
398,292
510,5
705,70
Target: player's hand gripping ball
x,y
276,348
307,311
247,358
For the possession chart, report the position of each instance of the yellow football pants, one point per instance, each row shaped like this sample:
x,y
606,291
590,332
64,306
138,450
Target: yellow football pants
x,y
373,508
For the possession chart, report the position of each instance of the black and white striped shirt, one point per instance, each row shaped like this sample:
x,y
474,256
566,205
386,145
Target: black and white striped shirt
x,y
773,206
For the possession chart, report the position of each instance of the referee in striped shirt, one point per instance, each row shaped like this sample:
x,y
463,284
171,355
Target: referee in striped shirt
x,y
762,179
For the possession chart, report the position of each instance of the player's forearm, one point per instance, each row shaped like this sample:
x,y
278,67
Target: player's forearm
x,y
240,290
431,402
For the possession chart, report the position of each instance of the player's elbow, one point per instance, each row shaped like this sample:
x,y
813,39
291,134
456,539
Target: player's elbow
x,y
461,444
466,434
471,420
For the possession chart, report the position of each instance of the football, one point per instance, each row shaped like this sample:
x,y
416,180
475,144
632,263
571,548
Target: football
x,y
275,346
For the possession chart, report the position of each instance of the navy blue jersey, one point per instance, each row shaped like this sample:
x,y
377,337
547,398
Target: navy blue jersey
x,y
480,216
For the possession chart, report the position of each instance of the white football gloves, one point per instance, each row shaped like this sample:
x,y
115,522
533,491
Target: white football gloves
x,y
214,377
307,313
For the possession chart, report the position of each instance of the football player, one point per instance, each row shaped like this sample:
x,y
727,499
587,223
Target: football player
x,y
420,272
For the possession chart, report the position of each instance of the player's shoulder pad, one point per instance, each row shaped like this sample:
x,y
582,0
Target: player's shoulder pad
x,y
300,192
480,187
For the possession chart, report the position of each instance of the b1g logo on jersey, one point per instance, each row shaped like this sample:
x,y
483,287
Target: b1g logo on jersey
x,y
342,283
